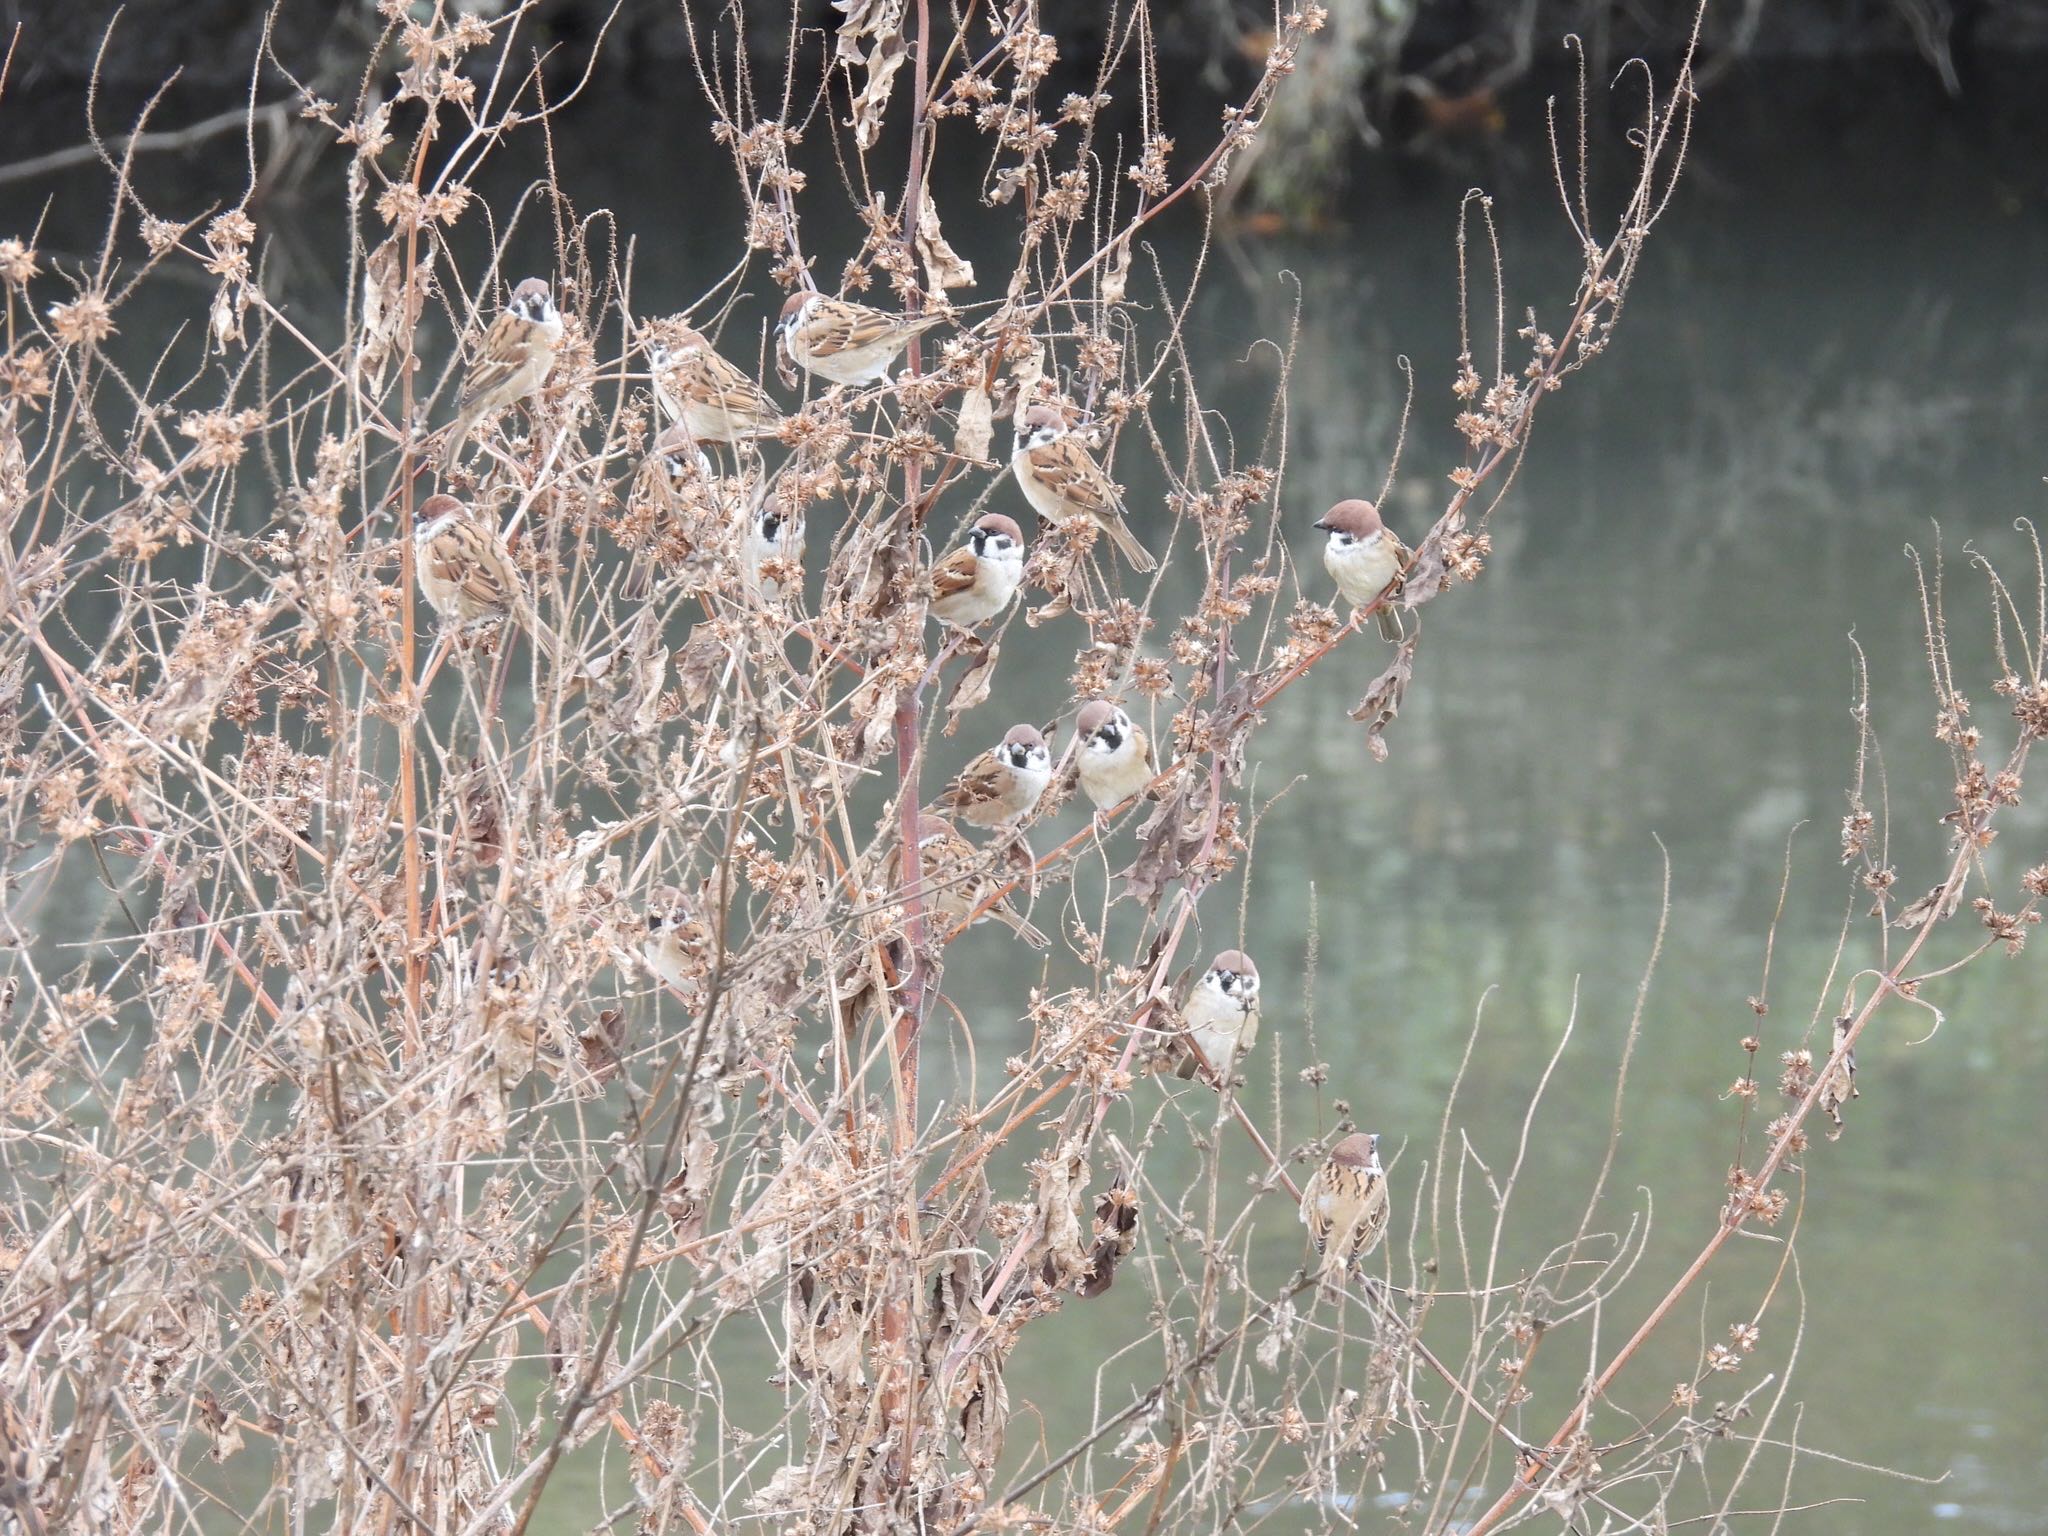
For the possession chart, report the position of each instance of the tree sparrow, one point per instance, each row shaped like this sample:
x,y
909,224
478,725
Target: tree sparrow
x,y
1116,758
1061,480
674,948
463,567
774,538
1364,558
1345,1205
711,397
846,343
680,459
956,879
976,582
512,364
1002,784
1221,1015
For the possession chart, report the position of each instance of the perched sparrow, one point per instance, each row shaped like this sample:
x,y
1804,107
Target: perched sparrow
x,y
708,395
955,881
846,343
1061,479
1838,1085
1221,1015
976,582
675,943
773,537
680,458
512,364
1002,784
1363,557
1116,758
464,569
1345,1204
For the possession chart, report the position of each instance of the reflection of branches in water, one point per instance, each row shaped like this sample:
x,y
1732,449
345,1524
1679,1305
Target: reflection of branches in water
x,y
469,1086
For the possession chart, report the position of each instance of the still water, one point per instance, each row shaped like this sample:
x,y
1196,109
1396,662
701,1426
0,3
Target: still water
x,y
1836,349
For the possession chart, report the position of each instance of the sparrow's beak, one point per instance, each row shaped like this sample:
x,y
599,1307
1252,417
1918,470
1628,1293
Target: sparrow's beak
x,y
1323,525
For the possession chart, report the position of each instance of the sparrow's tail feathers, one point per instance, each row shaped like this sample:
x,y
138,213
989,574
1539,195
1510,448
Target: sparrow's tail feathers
x,y
1021,928
1187,1069
1128,546
1390,623
451,445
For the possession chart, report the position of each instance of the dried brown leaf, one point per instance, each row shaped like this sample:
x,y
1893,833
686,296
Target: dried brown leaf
x,y
881,22
1168,842
1382,701
972,686
1938,905
1116,1233
974,429
944,267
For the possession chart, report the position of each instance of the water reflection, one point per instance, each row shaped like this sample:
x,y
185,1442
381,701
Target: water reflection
x,y
1657,654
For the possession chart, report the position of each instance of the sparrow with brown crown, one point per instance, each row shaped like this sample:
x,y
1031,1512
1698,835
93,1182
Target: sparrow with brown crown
x,y
1003,784
846,343
1365,558
702,392
977,581
465,572
956,880
1344,1205
517,355
1061,480
1220,1017
1115,755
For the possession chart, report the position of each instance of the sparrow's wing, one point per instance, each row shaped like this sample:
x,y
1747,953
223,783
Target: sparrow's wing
x,y
1312,1210
719,383
505,351
1067,468
981,782
954,574
1388,621
834,325
1371,1219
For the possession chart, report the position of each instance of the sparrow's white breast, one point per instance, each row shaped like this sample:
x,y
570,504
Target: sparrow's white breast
x,y
1362,570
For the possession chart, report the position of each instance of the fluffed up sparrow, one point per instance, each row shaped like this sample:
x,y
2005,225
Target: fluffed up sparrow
x,y
956,879
1002,784
1345,1204
774,538
846,343
512,364
1061,480
1115,756
976,581
464,570
1364,558
701,391
1221,1016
